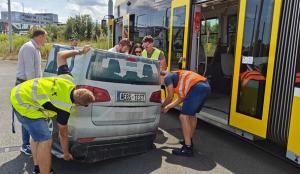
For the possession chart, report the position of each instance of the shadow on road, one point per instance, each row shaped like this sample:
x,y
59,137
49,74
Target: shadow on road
x,y
22,163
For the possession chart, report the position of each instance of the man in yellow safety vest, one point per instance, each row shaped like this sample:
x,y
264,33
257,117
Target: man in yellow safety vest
x,y
153,53
37,99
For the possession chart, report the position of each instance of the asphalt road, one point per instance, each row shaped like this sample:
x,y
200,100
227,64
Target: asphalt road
x,y
216,151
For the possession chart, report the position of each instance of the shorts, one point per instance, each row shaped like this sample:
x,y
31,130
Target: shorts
x,y
37,128
195,98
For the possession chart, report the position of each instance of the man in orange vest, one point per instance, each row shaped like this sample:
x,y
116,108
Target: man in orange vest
x,y
193,90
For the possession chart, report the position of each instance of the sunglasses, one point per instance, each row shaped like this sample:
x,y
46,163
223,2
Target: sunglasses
x,y
146,46
138,51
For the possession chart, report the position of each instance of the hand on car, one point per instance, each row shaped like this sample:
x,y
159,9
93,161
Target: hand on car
x,y
165,109
68,157
85,48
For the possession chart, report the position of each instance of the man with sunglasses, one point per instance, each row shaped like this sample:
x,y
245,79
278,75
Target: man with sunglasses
x,y
123,47
153,53
38,99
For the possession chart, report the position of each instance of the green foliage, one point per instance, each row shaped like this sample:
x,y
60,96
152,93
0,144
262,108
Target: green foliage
x,y
80,27
18,42
89,27
45,50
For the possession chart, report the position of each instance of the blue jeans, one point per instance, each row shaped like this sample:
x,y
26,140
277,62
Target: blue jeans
x,y
25,133
37,128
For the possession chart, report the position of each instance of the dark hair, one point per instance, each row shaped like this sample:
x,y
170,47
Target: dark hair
x,y
137,45
148,39
38,32
125,42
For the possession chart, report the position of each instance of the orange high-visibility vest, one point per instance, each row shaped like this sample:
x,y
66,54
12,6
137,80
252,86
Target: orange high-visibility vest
x,y
246,76
186,80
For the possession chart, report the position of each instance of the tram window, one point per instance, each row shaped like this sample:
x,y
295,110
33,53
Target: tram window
x,y
212,25
256,44
231,29
158,17
177,36
141,24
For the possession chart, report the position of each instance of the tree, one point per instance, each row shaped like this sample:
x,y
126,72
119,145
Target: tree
x,y
97,31
70,29
89,27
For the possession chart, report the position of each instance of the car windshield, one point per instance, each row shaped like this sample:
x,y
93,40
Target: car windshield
x,y
122,68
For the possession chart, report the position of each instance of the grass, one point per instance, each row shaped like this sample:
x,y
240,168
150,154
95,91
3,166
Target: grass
x,y
18,41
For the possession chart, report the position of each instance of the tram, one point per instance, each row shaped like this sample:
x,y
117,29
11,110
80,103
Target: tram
x,y
247,49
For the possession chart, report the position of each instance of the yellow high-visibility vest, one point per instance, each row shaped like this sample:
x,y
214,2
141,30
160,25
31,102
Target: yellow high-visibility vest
x,y
28,97
155,54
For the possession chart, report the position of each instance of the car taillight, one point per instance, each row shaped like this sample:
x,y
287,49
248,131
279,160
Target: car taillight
x,y
101,95
85,139
155,97
154,132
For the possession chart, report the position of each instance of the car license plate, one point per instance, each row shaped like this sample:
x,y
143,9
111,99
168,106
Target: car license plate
x,y
131,97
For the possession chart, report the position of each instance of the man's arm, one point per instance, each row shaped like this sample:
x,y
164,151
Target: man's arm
x,y
64,141
28,54
163,64
62,56
168,104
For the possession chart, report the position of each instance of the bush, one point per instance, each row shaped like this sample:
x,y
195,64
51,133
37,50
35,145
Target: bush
x,y
18,41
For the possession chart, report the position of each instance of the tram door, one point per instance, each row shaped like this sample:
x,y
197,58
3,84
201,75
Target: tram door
x,y
118,30
178,37
254,64
293,148
125,30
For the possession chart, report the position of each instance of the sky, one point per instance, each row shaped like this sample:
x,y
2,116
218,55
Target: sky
x,y
64,8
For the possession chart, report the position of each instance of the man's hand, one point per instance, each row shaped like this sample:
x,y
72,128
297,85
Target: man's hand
x,y
62,56
85,48
68,157
165,109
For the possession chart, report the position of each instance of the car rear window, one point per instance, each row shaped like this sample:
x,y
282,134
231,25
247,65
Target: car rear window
x,y
120,68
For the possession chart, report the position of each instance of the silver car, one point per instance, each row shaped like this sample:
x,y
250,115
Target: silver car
x,y
124,118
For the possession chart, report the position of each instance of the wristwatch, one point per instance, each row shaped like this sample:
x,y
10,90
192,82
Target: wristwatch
x,y
80,52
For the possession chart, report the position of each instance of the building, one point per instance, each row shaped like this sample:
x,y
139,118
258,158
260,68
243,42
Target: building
x,y
42,19
24,22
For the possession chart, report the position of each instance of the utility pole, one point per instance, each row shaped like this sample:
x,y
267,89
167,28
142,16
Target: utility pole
x,y
23,17
110,13
9,27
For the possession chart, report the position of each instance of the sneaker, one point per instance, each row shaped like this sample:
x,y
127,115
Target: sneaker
x,y
183,151
26,149
38,171
182,142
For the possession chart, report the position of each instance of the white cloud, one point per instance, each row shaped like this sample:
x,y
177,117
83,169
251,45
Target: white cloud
x,y
17,6
95,11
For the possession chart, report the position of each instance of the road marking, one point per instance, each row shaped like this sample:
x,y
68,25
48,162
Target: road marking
x,y
10,149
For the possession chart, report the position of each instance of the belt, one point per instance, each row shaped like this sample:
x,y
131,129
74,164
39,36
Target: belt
x,y
20,80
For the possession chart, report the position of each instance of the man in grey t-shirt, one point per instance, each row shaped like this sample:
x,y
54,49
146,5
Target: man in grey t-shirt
x,y
29,67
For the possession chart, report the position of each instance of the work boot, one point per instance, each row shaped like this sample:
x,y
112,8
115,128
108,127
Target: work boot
x,y
182,142
183,151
